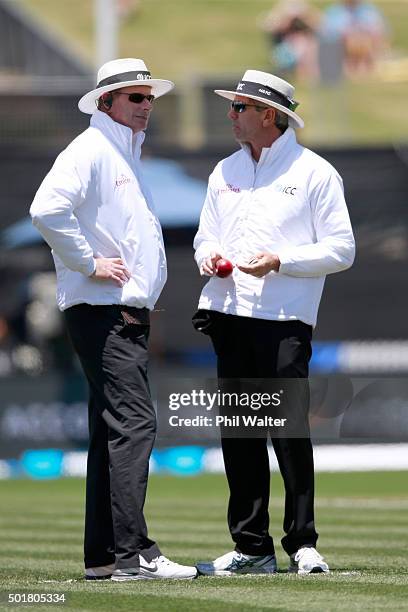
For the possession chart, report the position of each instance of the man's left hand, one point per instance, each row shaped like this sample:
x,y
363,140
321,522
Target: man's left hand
x,y
261,264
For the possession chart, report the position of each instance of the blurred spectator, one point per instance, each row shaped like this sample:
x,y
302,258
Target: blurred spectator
x,y
16,357
44,323
127,7
292,28
5,347
362,30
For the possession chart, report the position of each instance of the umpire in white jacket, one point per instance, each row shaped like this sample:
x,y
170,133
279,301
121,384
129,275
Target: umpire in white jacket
x,y
96,213
276,210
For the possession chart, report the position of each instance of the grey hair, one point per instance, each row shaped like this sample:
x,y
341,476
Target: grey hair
x,y
281,120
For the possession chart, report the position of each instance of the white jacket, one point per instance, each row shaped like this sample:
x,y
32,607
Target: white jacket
x,y
291,204
94,203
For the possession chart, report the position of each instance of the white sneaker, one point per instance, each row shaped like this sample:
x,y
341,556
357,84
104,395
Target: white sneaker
x,y
160,567
237,563
307,561
103,572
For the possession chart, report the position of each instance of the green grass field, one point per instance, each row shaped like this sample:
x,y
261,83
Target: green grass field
x,y
362,520
188,39
190,36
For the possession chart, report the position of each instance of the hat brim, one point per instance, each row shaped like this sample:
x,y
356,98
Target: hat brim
x,y
87,103
294,120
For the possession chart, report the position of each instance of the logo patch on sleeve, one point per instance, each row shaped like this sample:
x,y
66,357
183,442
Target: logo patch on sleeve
x,y
122,180
289,189
228,188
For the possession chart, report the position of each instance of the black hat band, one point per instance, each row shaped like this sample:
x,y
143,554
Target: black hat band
x,y
125,76
263,91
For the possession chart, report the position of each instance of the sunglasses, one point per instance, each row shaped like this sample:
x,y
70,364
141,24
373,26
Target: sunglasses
x,y
240,107
136,98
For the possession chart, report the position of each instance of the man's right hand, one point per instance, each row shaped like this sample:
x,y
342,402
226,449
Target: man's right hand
x,y
111,269
208,265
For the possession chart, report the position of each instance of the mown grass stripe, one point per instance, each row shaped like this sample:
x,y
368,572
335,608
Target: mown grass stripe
x,y
188,517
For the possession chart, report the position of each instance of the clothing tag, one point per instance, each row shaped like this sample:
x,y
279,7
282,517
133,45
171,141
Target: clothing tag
x,y
138,317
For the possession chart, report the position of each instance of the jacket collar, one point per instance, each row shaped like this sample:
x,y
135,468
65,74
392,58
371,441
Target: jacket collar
x,y
120,135
268,155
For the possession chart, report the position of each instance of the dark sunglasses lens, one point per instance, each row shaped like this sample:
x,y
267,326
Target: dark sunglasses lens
x,y
137,98
238,107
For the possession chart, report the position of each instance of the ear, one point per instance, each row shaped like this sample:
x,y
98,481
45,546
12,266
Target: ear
x,y
106,100
269,118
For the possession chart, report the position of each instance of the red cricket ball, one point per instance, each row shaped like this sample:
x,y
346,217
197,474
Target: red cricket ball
x,y
223,268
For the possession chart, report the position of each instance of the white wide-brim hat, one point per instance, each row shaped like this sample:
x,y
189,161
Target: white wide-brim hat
x,y
122,73
270,90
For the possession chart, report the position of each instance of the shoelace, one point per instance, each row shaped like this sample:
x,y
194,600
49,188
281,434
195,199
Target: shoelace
x,y
308,554
228,557
162,560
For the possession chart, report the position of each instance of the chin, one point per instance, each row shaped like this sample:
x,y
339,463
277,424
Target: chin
x,y
139,126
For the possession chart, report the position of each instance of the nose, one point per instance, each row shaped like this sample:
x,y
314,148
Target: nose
x,y
147,105
232,114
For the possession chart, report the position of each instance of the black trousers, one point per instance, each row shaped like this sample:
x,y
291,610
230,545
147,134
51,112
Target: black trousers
x,y
260,349
112,349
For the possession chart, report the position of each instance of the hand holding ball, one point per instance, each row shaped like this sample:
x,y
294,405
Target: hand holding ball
x,y
223,268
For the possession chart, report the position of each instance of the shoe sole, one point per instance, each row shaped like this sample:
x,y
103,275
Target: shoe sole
x,y
314,570
108,577
143,577
237,573
127,578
